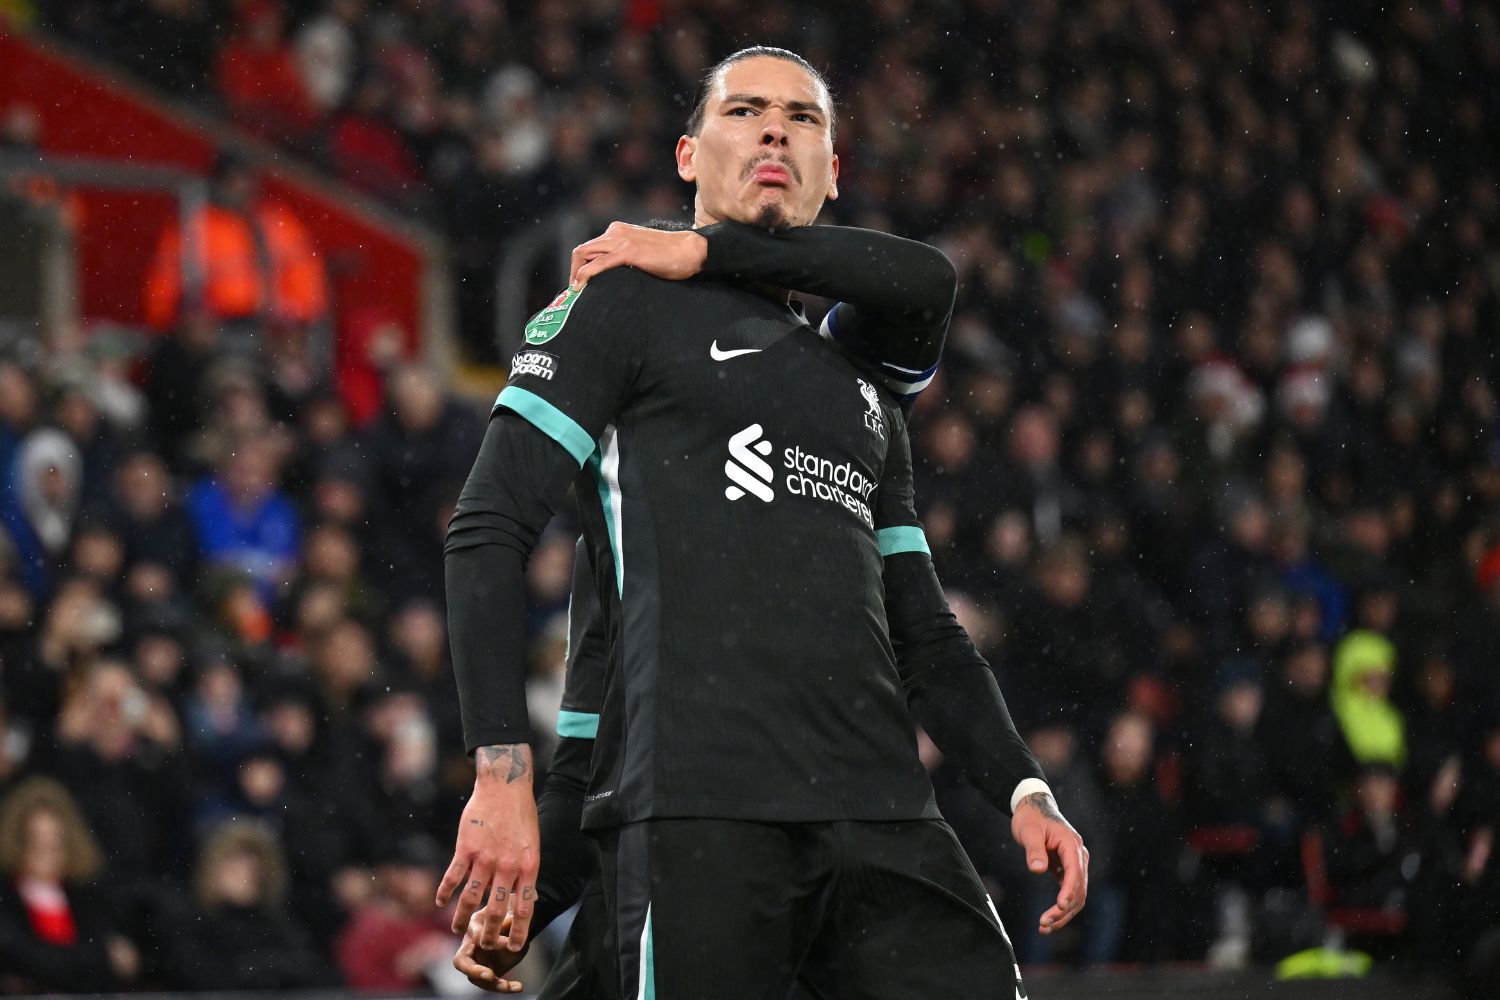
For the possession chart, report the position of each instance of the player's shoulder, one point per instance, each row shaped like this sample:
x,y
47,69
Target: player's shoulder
x,y
601,302
625,285
631,281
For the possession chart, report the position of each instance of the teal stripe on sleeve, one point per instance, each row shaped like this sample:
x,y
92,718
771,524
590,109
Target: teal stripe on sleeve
x,y
907,538
578,725
548,419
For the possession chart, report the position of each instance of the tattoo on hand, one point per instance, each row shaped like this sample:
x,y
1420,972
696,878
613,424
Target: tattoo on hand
x,y
1044,804
509,762
526,893
477,822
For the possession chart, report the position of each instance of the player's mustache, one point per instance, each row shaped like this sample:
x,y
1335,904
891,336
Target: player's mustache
x,y
785,161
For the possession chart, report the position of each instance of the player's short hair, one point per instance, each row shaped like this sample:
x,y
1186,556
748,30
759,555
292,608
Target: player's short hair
x,y
711,78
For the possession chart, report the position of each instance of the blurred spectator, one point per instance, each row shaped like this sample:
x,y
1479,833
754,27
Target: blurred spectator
x,y
368,151
1299,736
1070,665
1232,784
1230,562
406,799
178,386
75,626
242,518
1370,854
1137,896
56,932
1058,750
1036,484
238,402
161,546
99,446
257,74
220,722
419,452
328,52
248,260
344,667
119,750
43,494
310,780
19,411
397,940
329,451
419,643
236,934
331,556
1373,730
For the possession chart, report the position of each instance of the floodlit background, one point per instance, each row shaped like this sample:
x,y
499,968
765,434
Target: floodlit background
x,y
1210,470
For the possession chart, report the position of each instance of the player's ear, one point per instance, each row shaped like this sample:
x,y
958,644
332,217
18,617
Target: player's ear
x,y
833,180
687,150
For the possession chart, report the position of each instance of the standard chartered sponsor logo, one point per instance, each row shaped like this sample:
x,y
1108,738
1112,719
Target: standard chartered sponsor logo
x,y
824,479
807,475
747,469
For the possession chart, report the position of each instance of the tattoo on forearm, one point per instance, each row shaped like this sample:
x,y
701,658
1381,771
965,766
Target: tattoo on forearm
x,y
1044,804
509,762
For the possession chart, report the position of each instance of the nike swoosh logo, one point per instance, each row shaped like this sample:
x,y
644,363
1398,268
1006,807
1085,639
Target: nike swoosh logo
x,y
718,355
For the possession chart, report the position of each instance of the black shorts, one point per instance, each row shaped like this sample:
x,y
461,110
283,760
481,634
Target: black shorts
x,y
585,969
707,909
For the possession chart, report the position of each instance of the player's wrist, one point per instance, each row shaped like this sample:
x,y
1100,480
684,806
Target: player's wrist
x,y
503,764
1031,787
697,245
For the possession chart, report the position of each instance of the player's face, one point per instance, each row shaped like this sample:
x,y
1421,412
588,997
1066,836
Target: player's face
x,y
764,155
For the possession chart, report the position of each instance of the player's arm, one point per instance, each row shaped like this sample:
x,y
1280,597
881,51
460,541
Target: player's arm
x,y
894,297
568,861
541,433
954,695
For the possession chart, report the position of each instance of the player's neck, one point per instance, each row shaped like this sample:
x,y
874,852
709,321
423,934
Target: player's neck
x,y
772,292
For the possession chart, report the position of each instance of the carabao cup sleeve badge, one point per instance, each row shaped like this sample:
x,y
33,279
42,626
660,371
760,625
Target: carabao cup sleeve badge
x,y
549,322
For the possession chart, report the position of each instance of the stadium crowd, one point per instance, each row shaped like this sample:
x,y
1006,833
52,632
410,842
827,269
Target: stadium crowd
x,y
1211,471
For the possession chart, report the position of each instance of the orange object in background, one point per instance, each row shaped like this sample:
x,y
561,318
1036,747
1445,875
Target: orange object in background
x,y
85,112
234,282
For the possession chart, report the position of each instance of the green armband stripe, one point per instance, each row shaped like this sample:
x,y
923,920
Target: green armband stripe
x,y
548,419
908,538
578,725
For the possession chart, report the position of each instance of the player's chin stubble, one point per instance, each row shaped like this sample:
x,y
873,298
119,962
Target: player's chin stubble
x,y
772,216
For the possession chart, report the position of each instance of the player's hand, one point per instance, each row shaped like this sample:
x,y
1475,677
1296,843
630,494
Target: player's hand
x,y
485,967
498,847
1051,842
661,253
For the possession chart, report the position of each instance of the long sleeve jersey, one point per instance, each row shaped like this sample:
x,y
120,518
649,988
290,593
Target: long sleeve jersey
x,y
746,493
